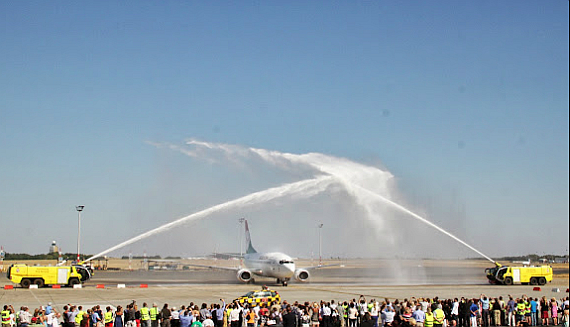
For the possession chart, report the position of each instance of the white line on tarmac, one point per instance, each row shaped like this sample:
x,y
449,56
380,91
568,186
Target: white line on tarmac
x,y
39,302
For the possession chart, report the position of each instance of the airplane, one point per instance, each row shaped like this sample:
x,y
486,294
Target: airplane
x,y
268,264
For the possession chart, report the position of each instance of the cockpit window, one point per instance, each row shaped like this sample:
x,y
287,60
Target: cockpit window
x,y
282,262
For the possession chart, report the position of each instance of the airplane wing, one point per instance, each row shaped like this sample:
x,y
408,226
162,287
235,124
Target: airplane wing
x,y
213,267
324,266
234,269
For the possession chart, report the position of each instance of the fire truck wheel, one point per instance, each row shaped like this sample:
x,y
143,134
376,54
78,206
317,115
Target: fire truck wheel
x,y
26,283
533,281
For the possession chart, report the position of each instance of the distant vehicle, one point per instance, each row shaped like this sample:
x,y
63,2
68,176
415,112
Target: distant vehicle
x,y
270,264
524,263
46,275
507,275
255,298
163,264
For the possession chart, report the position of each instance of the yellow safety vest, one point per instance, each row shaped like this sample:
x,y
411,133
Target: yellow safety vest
x,y
5,317
144,314
521,308
428,321
153,313
108,317
79,317
439,315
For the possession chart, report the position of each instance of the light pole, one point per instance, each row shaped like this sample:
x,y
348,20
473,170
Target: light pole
x,y
79,209
2,255
320,244
241,220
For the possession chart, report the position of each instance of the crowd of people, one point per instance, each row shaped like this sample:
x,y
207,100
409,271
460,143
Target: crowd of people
x,y
420,312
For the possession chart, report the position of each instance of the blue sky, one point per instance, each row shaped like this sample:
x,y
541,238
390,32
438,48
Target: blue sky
x,y
466,104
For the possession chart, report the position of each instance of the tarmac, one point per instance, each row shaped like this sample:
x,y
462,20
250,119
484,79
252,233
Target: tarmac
x,y
377,279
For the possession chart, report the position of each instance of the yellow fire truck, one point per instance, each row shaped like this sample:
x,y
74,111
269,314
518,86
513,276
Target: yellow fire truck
x,y
506,275
42,275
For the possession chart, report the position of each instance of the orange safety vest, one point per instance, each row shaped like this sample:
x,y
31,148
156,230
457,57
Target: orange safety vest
x,y
251,317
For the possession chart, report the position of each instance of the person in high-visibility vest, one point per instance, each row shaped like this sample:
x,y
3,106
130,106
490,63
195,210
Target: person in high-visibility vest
x,y
521,309
79,316
345,315
527,311
438,316
428,321
109,317
8,310
145,316
154,315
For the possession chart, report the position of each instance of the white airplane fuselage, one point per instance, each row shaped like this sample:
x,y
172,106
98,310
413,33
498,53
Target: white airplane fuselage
x,y
269,264
275,264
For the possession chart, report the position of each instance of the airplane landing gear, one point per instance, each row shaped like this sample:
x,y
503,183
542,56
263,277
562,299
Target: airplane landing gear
x,y
284,283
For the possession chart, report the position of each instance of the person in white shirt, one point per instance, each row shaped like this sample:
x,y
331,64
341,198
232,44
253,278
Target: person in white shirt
x,y
326,314
424,304
208,322
388,315
455,309
25,317
374,311
234,315
352,315
333,305
50,319
174,317
55,319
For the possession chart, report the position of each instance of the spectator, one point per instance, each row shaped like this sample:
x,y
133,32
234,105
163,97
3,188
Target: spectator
x,y
165,316
554,311
419,316
25,317
474,311
289,318
185,318
388,314
118,322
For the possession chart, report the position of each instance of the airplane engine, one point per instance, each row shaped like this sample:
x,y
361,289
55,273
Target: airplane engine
x,y
302,275
244,275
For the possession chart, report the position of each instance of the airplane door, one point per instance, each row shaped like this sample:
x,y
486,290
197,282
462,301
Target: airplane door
x,y
516,275
62,275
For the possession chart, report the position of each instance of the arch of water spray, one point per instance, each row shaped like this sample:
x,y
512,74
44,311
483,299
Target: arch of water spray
x,y
361,181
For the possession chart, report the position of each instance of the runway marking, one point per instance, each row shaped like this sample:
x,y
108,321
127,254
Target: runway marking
x,y
39,302
51,299
102,298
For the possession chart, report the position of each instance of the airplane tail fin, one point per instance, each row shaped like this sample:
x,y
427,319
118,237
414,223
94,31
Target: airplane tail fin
x,y
250,248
